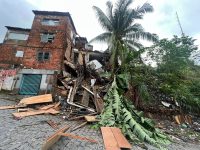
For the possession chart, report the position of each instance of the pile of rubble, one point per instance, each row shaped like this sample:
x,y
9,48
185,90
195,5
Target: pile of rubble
x,y
79,87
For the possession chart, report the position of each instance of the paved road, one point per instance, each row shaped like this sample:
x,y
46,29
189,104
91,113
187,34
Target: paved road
x,y
29,133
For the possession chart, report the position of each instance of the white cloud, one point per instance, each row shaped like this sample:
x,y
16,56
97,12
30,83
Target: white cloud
x,y
162,21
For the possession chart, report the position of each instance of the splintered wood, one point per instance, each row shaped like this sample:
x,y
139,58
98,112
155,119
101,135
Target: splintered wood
x,y
114,139
37,99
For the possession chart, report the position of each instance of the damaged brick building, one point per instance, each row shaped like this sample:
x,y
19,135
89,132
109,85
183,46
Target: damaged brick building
x,y
39,52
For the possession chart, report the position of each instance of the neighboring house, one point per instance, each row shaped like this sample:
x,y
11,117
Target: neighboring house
x,y
38,52
29,58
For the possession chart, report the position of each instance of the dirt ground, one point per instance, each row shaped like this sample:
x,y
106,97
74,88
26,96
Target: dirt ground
x,y
30,133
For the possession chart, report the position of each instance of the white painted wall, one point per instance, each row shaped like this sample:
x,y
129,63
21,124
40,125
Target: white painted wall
x,y
43,72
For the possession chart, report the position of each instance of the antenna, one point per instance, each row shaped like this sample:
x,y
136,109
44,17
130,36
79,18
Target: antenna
x,y
179,23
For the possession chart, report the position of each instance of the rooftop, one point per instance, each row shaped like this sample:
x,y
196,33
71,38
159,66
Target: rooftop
x,y
17,28
55,13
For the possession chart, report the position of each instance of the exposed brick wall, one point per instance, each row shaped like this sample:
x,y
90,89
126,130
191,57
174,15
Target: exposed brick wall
x,y
33,45
7,56
54,63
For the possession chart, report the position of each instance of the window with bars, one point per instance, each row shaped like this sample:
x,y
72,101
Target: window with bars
x,y
43,56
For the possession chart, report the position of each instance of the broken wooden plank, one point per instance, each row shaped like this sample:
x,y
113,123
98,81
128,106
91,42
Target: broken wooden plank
x,y
47,107
90,118
12,107
54,138
37,99
81,117
121,140
35,112
78,137
109,139
52,124
56,107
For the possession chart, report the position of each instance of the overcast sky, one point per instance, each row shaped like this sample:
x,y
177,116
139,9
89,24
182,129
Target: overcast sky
x,y
162,21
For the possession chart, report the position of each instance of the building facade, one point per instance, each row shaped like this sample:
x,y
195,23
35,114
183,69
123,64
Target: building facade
x,y
37,53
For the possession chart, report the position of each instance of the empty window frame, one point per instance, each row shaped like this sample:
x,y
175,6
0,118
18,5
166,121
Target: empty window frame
x,y
47,37
50,22
43,56
17,36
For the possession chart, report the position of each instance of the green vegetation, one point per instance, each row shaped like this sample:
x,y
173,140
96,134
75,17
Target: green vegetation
x,y
121,32
175,78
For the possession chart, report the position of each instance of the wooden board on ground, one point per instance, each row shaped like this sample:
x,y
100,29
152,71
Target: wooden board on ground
x,y
52,124
37,99
47,107
35,112
114,139
121,140
53,138
12,107
109,139
90,118
7,107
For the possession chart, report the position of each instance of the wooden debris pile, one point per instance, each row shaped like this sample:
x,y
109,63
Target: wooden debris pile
x,y
80,89
35,105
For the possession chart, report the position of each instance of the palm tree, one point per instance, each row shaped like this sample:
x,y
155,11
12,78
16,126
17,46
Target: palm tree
x,y
121,31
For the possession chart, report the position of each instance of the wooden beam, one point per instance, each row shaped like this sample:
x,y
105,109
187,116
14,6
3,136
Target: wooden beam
x,y
12,107
53,138
37,99
47,107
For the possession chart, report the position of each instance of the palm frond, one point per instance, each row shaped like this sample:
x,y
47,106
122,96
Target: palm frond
x,y
118,112
104,37
123,4
134,45
134,28
143,35
145,8
103,19
120,13
109,10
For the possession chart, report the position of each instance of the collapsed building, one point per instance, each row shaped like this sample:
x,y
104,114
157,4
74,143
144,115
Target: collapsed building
x,y
31,59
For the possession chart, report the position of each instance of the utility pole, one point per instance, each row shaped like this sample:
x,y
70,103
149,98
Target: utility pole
x,y
179,23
